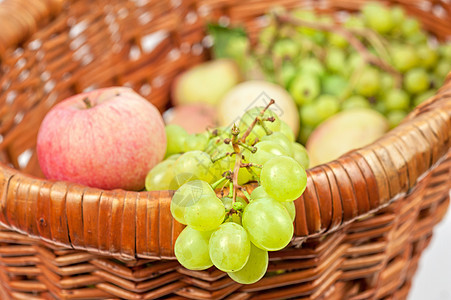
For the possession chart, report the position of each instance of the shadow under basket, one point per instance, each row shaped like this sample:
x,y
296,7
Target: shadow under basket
x,y
360,227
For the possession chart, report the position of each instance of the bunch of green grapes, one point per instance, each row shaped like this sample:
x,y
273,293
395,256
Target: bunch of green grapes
x,y
325,74
233,232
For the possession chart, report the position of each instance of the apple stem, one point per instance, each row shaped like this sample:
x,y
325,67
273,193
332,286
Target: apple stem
x,y
87,102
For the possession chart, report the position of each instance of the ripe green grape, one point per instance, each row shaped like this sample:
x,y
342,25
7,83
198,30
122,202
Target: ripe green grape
x,y
387,82
304,88
354,62
259,192
254,269
404,57
301,155
285,48
291,209
378,17
312,66
205,214
442,68
334,85
428,56
416,81
422,97
161,177
286,130
410,26
398,15
175,136
282,140
337,40
195,142
309,116
268,224
327,106
368,84
396,99
395,117
187,195
193,165
258,131
335,60
283,178
229,247
287,73
445,51
191,249
355,101
265,151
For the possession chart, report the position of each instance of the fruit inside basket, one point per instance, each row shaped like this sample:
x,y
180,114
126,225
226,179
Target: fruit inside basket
x,y
352,225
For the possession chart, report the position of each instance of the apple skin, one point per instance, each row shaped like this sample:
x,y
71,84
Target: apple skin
x,y
111,145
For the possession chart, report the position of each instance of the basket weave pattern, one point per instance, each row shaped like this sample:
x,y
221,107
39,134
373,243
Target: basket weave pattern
x,y
360,226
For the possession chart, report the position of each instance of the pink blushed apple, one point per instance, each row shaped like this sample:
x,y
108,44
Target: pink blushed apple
x,y
108,138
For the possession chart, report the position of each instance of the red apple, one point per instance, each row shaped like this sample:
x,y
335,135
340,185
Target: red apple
x,y
194,118
108,138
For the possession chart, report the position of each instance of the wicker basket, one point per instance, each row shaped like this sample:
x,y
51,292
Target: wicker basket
x,y
361,225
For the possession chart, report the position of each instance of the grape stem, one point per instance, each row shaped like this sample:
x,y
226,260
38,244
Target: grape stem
x,y
250,148
221,156
215,185
236,143
348,35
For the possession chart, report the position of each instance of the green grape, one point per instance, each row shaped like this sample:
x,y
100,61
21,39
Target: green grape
x,y
258,131
285,48
230,247
304,133
334,85
285,129
254,269
335,60
312,66
368,84
378,17
283,178
259,192
228,202
282,140
395,117
268,224
418,38
354,62
193,165
175,136
428,56
291,209
355,101
224,164
396,99
191,249
309,116
267,35
398,15
410,26
423,97
301,155
304,88
287,73
174,157
404,57
195,142
161,177
380,107
416,81
187,195
327,106
265,151
387,82
442,69
337,40
445,51
205,214
354,22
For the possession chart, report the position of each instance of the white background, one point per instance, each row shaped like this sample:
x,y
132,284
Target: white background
x,y
433,278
